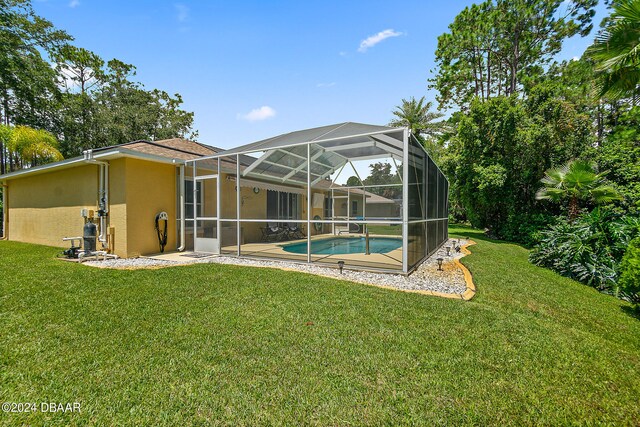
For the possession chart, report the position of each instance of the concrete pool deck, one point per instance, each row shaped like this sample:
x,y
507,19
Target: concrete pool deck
x,y
274,250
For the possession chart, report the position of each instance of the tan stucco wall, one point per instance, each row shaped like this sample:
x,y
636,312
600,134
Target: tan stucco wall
x,y
45,208
117,219
150,189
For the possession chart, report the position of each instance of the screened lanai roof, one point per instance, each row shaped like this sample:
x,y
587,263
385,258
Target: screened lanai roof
x,y
284,157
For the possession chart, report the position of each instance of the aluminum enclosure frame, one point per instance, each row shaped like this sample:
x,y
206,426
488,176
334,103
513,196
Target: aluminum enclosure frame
x,y
395,141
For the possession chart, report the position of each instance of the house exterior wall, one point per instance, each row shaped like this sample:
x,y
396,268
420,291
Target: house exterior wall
x,y
44,208
117,218
150,188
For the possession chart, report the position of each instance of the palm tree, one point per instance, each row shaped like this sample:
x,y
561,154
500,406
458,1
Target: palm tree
x,y
418,117
29,147
616,51
576,181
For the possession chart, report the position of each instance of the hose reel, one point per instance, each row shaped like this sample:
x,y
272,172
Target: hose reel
x,y
162,221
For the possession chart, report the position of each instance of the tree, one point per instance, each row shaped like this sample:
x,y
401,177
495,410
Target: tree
x,y
630,273
104,107
619,153
82,76
27,83
354,181
29,147
576,181
616,52
127,112
500,152
422,123
418,117
80,69
492,46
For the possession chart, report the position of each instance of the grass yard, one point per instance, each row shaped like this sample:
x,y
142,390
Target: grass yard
x,y
213,344
390,230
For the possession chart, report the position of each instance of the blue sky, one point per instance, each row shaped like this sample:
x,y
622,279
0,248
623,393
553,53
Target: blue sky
x,y
254,69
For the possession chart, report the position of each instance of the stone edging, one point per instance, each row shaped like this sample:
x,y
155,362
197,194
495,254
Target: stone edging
x,y
469,293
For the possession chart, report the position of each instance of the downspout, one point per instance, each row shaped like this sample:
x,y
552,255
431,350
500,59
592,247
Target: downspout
x,y
103,190
182,221
5,212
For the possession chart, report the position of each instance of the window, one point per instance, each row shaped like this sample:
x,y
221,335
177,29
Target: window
x,y
282,205
328,207
188,198
354,207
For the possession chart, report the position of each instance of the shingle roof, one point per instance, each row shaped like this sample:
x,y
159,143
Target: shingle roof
x,y
174,148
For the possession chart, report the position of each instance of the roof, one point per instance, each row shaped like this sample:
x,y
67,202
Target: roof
x,y
283,158
174,148
347,131
164,151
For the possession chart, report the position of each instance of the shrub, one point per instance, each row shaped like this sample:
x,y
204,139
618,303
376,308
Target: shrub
x,y
588,249
629,282
525,227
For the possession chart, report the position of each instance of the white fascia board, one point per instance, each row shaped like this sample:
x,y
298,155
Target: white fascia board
x,y
77,161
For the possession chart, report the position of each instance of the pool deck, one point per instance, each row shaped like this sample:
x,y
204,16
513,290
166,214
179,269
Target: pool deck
x,y
273,250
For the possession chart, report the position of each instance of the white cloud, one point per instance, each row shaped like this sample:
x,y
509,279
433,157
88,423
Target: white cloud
x,y
326,84
182,12
262,113
371,41
343,53
74,3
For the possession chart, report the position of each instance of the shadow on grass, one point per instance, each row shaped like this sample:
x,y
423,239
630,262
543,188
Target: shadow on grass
x,y
631,311
461,230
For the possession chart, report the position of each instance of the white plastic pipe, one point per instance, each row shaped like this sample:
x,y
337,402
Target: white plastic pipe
x,y
5,212
182,220
103,191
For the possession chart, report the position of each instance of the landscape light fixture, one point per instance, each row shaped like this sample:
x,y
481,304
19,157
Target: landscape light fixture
x,y
440,263
341,265
448,250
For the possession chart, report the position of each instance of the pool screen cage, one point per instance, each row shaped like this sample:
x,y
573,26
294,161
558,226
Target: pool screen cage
x,y
286,198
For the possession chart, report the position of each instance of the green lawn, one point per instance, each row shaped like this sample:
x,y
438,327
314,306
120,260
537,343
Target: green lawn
x,y
392,230
244,346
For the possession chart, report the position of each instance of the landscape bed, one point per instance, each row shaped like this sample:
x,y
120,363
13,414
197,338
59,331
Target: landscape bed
x,y
222,344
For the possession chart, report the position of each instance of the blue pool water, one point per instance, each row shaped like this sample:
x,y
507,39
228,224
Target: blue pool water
x,y
346,245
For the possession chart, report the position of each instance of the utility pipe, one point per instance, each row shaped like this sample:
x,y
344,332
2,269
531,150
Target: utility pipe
x,y
103,191
5,212
182,221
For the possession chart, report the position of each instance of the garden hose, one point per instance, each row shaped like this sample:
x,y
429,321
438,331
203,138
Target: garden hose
x,y
162,233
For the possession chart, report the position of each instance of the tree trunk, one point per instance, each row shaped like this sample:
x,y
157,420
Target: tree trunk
x,y
488,74
5,120
514,62
574,209
481,75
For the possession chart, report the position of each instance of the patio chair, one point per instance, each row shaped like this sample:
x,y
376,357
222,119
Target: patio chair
x,y
294,231
272,233
353,228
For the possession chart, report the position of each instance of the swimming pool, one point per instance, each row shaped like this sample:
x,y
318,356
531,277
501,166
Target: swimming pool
x,y
346,245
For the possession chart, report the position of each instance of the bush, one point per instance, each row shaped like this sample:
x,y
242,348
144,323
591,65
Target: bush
x,y
588,249
525,228
629,282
